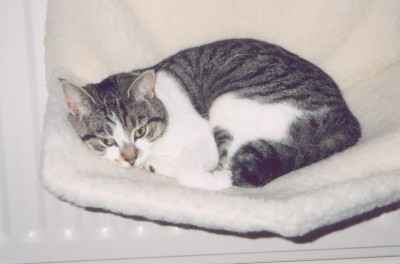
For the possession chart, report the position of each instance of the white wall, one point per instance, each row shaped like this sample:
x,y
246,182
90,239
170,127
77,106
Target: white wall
x,y
36,227
21,114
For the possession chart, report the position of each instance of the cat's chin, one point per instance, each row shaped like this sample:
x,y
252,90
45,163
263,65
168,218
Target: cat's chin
x,y
122,164
119,163
126,165
113,155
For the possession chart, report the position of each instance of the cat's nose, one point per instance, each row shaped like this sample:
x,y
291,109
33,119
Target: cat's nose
x,y
129,153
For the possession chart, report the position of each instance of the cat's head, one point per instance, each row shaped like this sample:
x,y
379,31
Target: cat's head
x,y
119,118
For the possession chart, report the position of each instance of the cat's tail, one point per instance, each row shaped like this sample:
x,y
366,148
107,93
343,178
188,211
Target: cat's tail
x,y
314,138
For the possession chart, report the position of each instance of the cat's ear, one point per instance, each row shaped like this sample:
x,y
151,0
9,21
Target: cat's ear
x,y
144,85
79,102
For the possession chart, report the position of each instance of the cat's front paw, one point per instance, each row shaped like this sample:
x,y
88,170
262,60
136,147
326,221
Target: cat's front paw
x,y
148,167
151,168
215,181
222,179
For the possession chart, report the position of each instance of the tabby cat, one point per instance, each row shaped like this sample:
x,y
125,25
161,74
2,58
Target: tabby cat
x,y
233,112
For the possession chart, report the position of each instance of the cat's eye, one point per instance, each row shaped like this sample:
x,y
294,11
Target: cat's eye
x,y
141,132
108,142
96,146
108,128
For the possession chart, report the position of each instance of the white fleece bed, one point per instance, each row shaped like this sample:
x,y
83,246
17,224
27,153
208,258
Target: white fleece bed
x,y
356,42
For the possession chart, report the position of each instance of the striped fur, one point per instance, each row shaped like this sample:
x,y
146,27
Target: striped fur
x,y
299,107
271,75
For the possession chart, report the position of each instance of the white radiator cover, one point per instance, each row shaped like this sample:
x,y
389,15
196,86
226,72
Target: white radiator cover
x,y
35,227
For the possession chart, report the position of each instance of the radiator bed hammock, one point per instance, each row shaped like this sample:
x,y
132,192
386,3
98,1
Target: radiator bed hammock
x,y
358,47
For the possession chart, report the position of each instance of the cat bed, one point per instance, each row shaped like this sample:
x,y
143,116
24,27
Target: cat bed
x,y
357,44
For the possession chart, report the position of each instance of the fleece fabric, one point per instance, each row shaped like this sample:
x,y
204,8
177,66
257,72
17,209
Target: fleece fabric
x,y
356,42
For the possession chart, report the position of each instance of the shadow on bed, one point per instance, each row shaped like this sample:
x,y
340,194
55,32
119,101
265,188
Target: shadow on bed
x,y
309,237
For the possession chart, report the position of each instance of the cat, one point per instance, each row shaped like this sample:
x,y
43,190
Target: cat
x,y
235,112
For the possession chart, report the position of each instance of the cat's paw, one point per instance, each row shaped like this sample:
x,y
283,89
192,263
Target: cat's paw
x,y
222,179
151,168
147,167
215,181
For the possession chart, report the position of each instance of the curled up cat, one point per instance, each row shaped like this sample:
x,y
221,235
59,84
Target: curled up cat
x,y
233,112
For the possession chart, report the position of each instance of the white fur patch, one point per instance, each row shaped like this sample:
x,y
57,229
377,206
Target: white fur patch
x,y
145,149
187,150
248,120
118,132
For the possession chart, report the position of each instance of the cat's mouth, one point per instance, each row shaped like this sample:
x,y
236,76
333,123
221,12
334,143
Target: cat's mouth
x,y
114,155
124,164
121,162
